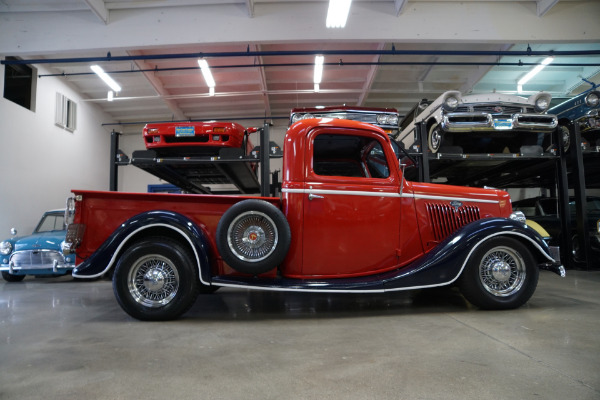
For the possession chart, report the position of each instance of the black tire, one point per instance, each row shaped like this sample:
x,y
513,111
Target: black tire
x,y
253,237
156,279
566,135
500,274
435,138
8,277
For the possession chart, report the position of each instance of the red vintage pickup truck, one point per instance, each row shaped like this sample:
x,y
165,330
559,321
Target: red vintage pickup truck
x,y
347,221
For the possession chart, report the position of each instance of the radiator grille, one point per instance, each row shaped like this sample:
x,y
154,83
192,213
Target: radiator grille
x,y
36,259
446,219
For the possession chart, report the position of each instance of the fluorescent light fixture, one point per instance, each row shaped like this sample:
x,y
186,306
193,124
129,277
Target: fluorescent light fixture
x,y
318,69
107,79
337,14
208,78
317,88
211,91
110,96
533,73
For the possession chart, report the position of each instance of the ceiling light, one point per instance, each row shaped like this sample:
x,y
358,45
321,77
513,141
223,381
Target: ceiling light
x,y
110,96
317,88
211,91
533,73
208,78
337,14
107,79
318,69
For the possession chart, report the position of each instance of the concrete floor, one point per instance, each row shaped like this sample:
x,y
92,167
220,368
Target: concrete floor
x,y
64,339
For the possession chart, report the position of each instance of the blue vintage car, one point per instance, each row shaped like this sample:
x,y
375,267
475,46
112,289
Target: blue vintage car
x,y
39,253
582,110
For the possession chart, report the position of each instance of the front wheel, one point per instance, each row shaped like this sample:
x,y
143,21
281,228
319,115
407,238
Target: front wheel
x,y
500,274
156,280
8,277
435,137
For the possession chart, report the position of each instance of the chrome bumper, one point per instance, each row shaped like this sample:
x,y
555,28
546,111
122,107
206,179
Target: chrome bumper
x,y
480,121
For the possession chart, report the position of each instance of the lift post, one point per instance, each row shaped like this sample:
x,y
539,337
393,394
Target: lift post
x,y
113,166
265,175
582,241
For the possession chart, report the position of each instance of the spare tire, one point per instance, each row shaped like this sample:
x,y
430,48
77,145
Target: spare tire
x,y
253,236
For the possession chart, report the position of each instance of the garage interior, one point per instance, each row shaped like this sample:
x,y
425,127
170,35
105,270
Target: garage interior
x,y
64,338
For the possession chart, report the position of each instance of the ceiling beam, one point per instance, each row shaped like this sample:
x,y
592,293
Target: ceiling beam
x,y
99,9
370,78
250,7
543,6
399,5
159,88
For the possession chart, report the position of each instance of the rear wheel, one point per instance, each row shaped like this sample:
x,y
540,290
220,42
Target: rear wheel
x,y
8,277
156,279
500,274
566,137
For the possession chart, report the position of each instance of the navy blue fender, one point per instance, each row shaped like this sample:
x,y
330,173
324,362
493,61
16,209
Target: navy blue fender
x,y
106,255
441,266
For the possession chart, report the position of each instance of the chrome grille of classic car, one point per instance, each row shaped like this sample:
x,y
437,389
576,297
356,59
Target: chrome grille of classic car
x,y
446,219
353,116
32,259
493,109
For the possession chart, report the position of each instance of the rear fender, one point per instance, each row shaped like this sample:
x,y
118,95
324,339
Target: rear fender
x,y
179,226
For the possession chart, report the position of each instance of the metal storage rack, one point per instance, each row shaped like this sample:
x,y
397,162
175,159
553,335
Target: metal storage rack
x,y
557,172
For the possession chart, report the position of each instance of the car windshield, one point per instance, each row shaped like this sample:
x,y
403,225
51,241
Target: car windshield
x,y
51,222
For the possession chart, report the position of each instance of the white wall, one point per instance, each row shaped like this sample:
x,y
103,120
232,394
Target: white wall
x,y
40,162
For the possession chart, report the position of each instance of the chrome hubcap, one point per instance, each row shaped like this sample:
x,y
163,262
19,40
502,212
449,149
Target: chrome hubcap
x,y
252,236
502,271
153,281
435,138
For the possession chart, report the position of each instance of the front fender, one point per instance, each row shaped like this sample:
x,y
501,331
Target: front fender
x,y
102,260
444,264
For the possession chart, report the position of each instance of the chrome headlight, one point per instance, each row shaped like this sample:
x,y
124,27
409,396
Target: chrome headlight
x,y
592,99
518,216
296,117
385,119
6,247
450,103
542,102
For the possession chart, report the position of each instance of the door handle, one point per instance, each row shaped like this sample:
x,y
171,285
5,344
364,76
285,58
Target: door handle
x,y
314,196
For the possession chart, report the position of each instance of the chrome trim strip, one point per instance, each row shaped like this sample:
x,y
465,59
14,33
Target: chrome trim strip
x,y
245,286
379,194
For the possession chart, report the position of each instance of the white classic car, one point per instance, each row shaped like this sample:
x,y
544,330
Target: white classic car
x,y
483,123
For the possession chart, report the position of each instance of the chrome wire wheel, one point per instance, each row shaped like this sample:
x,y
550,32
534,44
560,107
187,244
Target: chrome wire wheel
x,y
252,236
502,271
153,281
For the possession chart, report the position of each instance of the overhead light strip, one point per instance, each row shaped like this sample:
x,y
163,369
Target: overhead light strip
x,y
337,14
106,78
208,78
533,73
319,60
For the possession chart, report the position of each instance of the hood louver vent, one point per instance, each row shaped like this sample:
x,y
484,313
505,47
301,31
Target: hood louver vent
x,y
446,219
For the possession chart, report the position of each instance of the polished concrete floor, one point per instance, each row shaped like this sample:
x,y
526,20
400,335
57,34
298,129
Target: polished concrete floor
x,y
65,339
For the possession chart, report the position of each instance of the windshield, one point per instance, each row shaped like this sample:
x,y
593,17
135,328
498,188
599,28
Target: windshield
x,y
51,222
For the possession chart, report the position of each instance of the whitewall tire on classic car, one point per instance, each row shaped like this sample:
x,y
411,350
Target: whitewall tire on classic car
x,y
435,137
253,237
500,274
156,280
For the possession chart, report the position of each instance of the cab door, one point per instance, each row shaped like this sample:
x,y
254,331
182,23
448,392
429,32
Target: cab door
x,y
351,204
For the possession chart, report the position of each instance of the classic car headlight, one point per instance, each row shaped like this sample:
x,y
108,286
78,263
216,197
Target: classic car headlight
x,y
592,99
518,216
450,103
542,102
387,119
5,247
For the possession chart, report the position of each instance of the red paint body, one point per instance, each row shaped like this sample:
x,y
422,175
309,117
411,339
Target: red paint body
x,y
356,226
210,136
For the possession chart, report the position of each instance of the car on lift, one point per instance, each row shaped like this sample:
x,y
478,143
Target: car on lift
x,y
582,110
385,118
196,138
544,211
39,253
482,123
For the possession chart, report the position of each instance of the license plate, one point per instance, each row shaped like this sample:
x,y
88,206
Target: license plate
x,y
184,131
502,124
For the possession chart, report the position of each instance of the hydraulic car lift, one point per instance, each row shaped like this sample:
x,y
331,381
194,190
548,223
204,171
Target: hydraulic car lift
x,y
557,172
